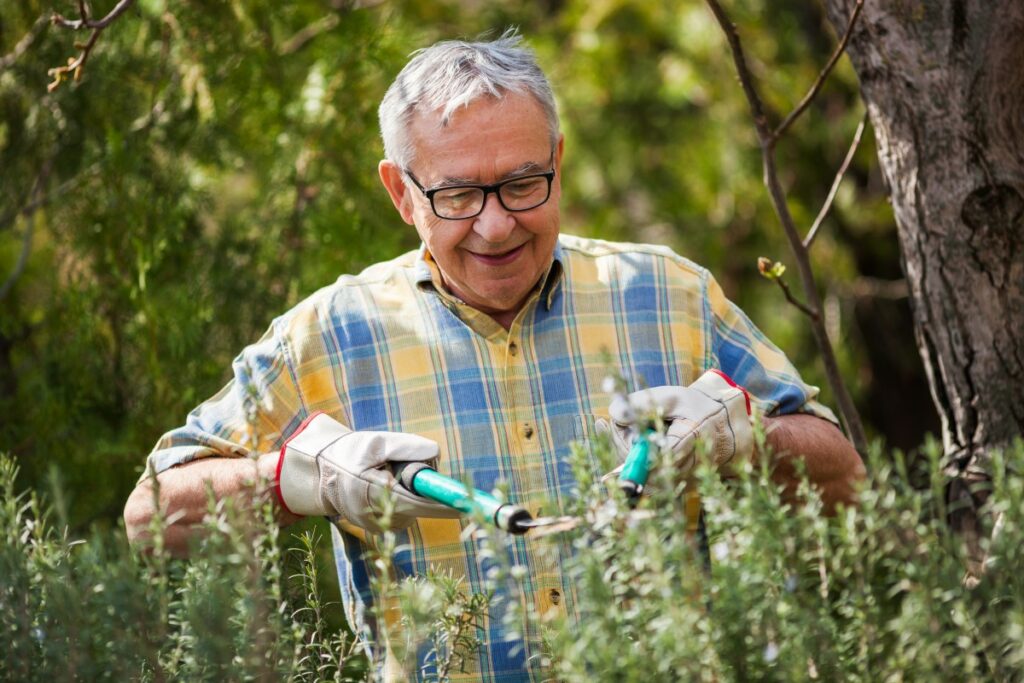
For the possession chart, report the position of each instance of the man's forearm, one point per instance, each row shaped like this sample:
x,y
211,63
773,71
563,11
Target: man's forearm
x,y
831,463
183,496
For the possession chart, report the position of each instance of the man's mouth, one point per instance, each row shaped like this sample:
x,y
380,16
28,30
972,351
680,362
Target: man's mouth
x,y
499,258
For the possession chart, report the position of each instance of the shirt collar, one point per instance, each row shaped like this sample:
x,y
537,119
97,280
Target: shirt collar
x,y
426,273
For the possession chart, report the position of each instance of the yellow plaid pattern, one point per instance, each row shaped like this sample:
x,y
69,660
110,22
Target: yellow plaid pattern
x,y
390,349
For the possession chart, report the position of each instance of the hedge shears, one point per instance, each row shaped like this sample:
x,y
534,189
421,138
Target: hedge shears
x,y
425,481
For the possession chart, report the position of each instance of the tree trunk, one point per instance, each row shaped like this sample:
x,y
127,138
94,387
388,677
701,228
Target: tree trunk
x,y
944,86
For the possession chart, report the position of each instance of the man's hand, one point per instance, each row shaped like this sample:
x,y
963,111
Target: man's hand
x,y
327,469
712,410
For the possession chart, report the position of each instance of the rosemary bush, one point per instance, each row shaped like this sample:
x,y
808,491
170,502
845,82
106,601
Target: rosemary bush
x,y
875,593
786,594
243,608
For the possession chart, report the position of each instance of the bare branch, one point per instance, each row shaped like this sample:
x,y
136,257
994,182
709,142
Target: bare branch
x,y
76,64
809,312
746,78
813,232
84,22
24,44
767,139
813,92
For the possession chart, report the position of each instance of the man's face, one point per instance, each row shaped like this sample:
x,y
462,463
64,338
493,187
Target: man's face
x,y
491,261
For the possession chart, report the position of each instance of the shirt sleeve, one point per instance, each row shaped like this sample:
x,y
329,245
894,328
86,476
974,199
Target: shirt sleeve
x,y
743,352
251,415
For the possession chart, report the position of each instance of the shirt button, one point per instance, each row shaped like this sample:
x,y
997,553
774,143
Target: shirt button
x,y
513,349
555,595
527,431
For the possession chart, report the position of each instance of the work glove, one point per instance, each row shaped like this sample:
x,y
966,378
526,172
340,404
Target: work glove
x,y
328,469
713,410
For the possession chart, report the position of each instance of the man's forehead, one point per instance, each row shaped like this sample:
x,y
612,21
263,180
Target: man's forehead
x,y
490,137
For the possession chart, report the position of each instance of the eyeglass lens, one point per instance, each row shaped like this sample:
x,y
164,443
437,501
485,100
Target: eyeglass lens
x,y
518,194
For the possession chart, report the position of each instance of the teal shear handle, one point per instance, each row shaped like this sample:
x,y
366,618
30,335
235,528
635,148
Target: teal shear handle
x,y
633,476
425,481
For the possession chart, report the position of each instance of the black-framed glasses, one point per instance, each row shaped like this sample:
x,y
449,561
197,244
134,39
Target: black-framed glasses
x,y
458,202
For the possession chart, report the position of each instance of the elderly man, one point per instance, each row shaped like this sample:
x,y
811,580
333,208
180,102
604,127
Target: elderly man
x,y
483,352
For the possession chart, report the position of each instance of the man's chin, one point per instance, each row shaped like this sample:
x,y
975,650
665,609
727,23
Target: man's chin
x,y
495,302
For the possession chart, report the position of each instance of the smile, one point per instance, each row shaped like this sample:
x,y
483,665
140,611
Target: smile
x,y
500,259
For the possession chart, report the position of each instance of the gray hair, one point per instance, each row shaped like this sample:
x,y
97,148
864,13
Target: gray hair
x,y
454,73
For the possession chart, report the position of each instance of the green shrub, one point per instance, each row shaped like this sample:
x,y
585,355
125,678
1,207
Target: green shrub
x,y
92,610
872,594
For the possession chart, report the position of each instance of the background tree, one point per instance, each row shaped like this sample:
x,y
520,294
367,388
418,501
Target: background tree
x,y
215,164
944,85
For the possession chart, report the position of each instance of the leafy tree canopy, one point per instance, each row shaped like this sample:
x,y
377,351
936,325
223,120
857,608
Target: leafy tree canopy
x,y
216,163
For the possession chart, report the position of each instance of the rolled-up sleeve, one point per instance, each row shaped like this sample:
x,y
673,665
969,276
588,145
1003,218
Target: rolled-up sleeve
x,y
744,353
251,415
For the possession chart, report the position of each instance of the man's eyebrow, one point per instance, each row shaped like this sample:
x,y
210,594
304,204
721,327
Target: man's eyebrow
x,y
522,169
456,180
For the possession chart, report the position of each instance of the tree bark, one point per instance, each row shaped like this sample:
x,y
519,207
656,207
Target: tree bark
x,y
944,87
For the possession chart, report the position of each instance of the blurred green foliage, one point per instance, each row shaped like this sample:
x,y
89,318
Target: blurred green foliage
x,y
217,162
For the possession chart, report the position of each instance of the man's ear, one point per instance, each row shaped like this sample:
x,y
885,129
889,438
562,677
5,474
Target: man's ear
x,y
559,150
394,183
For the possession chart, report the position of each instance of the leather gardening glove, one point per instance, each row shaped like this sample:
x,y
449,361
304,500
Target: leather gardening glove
x,y
713,409
328,469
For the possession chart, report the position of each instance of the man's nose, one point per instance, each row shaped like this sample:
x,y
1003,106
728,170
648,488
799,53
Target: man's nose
x,y
495,223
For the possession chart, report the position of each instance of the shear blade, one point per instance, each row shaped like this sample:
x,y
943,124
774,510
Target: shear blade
x,y
542,526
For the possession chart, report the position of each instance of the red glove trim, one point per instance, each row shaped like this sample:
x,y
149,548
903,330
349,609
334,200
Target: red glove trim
x,y
280,461
729,381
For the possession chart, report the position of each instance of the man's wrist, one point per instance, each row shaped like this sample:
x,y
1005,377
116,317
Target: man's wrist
x,y
266,486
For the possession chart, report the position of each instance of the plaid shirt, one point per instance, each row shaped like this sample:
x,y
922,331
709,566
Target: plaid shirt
x,y
391,350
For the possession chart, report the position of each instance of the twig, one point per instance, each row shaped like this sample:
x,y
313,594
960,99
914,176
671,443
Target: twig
x,y
85,22
24,44
746,79
26,245
813,92
809,312
767,140
76,64
813,232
